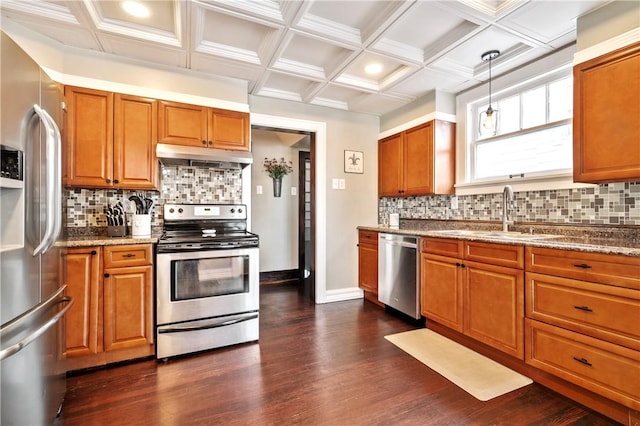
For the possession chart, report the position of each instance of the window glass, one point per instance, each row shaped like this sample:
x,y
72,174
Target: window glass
x,y
534,107
509,118
561,99
534,135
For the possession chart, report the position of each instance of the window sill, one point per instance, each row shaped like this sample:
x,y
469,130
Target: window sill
x,y
546,183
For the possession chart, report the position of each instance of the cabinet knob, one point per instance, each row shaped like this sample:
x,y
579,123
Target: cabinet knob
x,y
204,142
107,275
93,252
108,180
210,143
116,181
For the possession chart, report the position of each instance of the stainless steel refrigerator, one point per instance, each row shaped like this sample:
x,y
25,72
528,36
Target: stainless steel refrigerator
x,y
32,300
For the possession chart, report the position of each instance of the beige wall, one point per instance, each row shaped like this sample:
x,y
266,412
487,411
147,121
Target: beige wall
x,y
357,203
609,21
275,219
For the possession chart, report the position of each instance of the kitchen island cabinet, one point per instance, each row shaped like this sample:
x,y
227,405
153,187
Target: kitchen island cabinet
x,y
112,318
417,161
194,125
476,288
606,122
110,141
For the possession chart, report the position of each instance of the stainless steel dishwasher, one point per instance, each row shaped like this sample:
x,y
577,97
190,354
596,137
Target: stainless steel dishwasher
x,y
399,273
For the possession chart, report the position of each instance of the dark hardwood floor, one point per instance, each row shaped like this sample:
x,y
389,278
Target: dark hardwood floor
x,y
314,365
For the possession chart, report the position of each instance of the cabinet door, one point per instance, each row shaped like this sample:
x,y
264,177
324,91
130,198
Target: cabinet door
x,y
128,307
606,124
441,290
89,147
82,321
182,124
368,268
418,160
135,163
494,307
390,166
228,130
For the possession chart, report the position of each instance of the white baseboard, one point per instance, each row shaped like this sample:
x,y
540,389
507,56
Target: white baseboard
x,y
342,294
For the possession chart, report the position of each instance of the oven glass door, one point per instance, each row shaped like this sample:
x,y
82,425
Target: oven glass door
x,y
210,277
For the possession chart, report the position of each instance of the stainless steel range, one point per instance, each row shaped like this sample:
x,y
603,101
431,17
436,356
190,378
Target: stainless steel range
x,y
207,293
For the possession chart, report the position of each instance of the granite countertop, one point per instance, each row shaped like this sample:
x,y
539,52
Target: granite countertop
x,y
610,240
87,237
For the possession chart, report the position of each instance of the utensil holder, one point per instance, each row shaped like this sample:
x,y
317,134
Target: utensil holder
x,y
117,231
141,225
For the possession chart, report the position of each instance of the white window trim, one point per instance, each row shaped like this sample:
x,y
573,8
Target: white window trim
x,y
538,69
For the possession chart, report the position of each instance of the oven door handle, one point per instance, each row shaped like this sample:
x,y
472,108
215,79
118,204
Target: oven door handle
x,y
206,325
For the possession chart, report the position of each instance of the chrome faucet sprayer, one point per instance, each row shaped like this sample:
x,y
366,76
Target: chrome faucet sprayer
x,y
508,200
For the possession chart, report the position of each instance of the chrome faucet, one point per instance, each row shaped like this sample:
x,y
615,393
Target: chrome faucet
x,y
508,200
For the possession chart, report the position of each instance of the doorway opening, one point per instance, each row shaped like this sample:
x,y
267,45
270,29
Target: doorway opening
x,y
285,223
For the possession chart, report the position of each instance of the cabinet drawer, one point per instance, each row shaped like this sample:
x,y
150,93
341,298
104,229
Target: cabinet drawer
x,y
496,254
368,237
442,246
618,270
128,255
604,368
599,310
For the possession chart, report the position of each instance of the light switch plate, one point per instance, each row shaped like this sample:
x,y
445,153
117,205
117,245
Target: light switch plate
x,y
258,189
335,184
454,202
342,184
294,190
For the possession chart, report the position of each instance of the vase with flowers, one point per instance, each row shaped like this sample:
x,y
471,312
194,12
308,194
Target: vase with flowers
x,y
276,170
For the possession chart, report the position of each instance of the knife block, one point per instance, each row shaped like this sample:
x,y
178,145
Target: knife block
x,y
117,231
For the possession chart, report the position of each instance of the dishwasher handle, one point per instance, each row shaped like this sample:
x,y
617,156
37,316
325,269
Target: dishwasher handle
x,y
398,240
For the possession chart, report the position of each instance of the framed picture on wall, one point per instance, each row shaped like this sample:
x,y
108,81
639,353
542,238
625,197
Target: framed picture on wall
x,y
353,161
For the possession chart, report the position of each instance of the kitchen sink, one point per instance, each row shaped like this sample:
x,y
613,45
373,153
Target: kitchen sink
x,y
509,235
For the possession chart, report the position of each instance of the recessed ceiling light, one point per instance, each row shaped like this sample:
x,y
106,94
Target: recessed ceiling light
x,y
136,9
373,68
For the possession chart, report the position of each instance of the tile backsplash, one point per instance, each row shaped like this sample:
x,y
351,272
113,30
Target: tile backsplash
x,y
605,204
179,184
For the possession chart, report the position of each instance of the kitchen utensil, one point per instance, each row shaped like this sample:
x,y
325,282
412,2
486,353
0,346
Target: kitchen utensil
x,y
148,205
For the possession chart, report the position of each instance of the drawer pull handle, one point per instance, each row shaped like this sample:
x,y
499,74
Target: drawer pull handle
x,y
582,265
129,255
584,308
583,361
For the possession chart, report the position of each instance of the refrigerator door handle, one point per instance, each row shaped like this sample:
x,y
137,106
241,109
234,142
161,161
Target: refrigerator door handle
x,y
55,299
52,152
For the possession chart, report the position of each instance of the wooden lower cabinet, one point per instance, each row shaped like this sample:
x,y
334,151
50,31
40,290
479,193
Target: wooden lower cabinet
x,y
484,301
612,371
112,316
368,264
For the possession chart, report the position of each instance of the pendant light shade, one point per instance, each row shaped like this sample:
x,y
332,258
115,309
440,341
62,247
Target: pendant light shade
x,y
489,118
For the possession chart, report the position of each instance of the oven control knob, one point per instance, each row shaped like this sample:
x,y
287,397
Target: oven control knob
x,y
239,210
171,210
180,210
233,210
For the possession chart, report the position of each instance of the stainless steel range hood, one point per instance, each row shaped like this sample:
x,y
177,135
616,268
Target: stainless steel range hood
x,y
211,157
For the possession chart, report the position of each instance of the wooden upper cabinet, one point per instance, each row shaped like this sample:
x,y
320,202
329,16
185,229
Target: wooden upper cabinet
x,y
111,140
193,125
89,144
135,163
228,129
390,166
418,161
606,122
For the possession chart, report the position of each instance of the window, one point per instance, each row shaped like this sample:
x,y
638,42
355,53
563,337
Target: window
x,y
533,136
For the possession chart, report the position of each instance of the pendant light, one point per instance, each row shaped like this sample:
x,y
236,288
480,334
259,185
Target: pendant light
x,y
489,118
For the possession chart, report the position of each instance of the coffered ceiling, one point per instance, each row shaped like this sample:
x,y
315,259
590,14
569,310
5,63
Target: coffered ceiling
x,y
315,51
